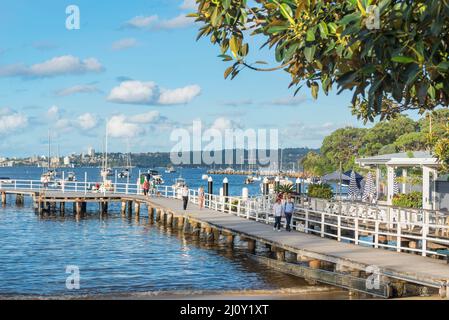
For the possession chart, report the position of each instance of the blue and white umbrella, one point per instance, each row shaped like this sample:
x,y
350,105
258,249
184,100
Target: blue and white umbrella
x,y
353,190
369,190
395,184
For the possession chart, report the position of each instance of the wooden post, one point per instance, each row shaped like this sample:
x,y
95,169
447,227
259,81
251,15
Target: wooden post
x,y
78,208
62,208
137,208
186,227
3,198
158,214
150,214
130,208
230,239
180,223
216,235
251,245
123,208
169,219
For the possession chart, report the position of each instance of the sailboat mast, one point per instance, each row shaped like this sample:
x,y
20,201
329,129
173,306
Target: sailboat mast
x,y
49,150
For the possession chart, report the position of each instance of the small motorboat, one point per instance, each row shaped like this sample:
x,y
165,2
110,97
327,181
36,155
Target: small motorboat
x,y
71,176
124,174
107,172
249,180
204,177
179,183
170,170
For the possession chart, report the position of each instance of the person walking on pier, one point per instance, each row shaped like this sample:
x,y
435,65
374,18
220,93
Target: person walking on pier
x,y
201,197
185,197
146,187
289,208
278,211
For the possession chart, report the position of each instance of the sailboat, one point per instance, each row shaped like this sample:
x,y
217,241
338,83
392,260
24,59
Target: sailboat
x,y
50,174
105,170
126,172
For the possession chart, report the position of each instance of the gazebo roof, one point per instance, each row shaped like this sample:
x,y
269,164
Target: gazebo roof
x,y
403,159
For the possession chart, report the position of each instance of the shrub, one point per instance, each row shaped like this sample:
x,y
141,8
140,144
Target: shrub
x,y
322,191
408,200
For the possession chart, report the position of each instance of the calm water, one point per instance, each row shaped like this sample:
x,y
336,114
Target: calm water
x,y
116,255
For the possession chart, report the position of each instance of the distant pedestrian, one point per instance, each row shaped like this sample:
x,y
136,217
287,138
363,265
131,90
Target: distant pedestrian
x,y
201,197
278,211
146,187
289,208
185,197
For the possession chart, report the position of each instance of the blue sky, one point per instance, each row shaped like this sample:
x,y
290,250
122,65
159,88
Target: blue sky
x,y
136,64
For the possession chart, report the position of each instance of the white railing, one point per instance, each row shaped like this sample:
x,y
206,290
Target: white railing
x,y
416,231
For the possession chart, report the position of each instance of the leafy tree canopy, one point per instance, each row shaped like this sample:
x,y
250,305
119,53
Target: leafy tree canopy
x,y
392,54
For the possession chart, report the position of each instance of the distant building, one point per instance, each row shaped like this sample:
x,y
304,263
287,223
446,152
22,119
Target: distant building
x,y
91,152
66,160
55,161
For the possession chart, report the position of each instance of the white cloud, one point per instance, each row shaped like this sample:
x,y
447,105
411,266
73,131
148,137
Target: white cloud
x,y
135,92
120,127
288,101
82,88
155,23
180,95
124,44
53,113
147,117
62,65
87,121
181,21
141,21
11,121
188,5
149,93
223,124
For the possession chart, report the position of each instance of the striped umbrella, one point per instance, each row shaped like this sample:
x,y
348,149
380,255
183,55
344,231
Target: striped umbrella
x,y
395,184
369,191
353,190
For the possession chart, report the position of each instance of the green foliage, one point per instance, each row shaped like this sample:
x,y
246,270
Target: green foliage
x,y
314,164
411,141
408,200
285,189
400,64
386,133
343,146
322,191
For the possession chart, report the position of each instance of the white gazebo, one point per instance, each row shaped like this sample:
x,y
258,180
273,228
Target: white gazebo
x,y
404,160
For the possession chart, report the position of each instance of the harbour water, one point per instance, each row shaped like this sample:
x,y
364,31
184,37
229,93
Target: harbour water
x,y
119,256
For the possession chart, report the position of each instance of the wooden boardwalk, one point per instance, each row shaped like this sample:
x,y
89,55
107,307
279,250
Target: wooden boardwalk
x,y
410,268
407,267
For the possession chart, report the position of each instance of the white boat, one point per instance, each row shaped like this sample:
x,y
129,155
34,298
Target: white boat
x,y
157,179
170,170
249,180
124,174
107,172
71,176
204,177
179,183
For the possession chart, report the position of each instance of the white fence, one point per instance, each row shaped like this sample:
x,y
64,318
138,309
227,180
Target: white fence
x,y
404,230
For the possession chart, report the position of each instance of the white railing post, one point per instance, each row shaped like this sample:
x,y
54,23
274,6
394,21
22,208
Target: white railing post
x,y
339,228
425,231
376,234
356,230
322,224
15,184
306,222
126,188
62,182
85,182
398,234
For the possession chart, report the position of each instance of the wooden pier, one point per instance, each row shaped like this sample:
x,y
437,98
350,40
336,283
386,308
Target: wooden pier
x,y
383,273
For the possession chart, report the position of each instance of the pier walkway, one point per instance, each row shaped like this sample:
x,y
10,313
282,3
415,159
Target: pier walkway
x,y
249,220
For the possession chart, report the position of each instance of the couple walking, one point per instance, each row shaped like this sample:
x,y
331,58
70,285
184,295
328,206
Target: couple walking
x,y
185,197
280,210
